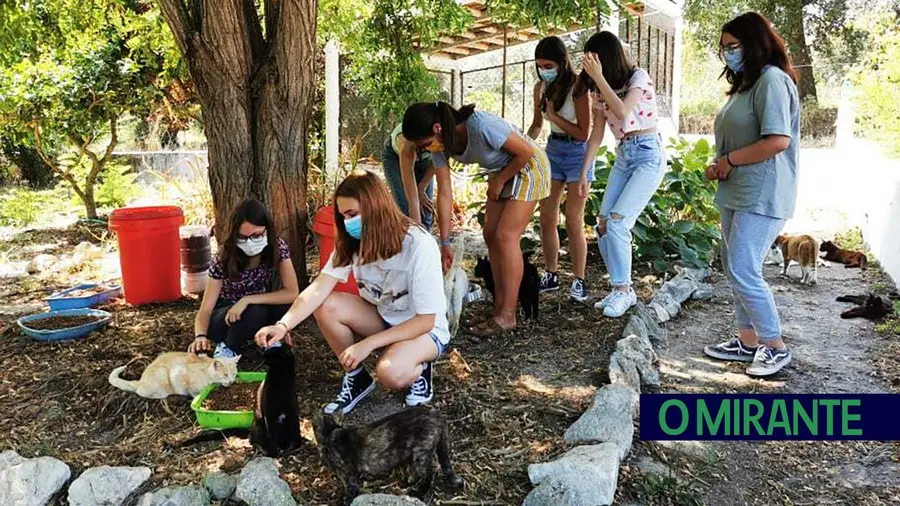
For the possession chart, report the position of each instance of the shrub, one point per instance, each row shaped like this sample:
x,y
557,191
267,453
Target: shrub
x,y
22,206
681,222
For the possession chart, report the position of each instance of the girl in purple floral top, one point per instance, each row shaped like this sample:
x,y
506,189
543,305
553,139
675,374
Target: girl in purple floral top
x,y
237,301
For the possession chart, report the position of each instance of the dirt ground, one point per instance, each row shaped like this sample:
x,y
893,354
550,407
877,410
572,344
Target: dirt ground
x,y
829,355
508,400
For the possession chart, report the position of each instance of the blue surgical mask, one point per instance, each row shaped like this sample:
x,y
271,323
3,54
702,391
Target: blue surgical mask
x,y
548,75
354,226
734,59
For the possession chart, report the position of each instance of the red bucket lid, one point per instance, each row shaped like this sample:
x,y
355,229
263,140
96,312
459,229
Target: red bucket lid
x,y
132,215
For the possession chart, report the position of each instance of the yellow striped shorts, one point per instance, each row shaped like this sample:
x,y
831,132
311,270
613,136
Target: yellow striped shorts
x,y
532,183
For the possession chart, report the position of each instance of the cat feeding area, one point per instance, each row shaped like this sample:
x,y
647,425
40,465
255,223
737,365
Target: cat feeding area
x,y
230,407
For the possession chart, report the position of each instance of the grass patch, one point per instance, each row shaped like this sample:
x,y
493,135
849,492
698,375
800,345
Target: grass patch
x,y
891,324
665,490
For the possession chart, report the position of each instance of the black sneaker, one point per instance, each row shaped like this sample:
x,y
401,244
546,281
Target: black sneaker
x,y
422,391
355,387
768,361
550,282
579,291
733,350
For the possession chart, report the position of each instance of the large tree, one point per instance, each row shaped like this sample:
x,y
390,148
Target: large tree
x,y
824,24
253,68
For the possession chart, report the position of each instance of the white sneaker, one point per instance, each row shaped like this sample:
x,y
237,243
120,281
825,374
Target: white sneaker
x,y
605,300
619,303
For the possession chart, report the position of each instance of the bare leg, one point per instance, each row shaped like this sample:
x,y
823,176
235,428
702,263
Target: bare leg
x,y
513,220
491,222
343,316
549,209
575,228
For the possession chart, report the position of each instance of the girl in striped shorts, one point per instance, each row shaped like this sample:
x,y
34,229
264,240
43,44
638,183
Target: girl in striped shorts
x,y
518,178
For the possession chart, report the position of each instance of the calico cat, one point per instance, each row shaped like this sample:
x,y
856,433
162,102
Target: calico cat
x,y
803,249
178,373
411,437
850,259
456,286
529,288
276,419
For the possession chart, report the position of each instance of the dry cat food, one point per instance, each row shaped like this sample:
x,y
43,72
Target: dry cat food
x,y
86,292
237,397
61,322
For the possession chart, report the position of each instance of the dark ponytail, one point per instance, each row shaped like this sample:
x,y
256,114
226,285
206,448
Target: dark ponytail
x,y
419,119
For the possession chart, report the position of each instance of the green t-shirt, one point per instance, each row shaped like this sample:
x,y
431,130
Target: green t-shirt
x,y
421,154
770,107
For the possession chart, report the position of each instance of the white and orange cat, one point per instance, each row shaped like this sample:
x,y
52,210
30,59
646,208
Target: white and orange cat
x,y
178,373
804,249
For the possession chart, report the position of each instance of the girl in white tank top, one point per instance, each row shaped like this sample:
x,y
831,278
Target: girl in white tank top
x,y
556,101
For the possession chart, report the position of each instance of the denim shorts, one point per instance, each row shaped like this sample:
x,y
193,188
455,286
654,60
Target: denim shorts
x,y
434,338
567,160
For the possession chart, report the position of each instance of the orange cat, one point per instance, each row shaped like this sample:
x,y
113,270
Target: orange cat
x,y
178,373
803,249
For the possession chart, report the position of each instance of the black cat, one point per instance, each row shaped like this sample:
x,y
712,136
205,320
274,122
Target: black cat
x,y
529,288
870,307
276,421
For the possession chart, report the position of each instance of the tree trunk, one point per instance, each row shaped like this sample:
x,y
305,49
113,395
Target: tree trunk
x,y
256,94
795,37
90,205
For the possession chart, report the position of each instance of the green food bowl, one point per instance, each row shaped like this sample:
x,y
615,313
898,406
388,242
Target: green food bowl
x,y
225,419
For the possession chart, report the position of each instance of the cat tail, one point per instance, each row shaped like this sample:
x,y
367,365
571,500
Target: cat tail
x,y
116,380
807,251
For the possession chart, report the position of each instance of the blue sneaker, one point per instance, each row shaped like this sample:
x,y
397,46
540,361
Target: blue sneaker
x,y
223,351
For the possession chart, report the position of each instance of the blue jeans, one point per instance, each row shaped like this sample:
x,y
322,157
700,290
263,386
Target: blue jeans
x,y
746,238
634,178
391,162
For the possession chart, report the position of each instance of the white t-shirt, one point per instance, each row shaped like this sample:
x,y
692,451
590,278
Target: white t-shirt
x,y
409,283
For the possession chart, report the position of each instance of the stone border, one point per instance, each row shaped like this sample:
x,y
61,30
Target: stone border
x,y
587,475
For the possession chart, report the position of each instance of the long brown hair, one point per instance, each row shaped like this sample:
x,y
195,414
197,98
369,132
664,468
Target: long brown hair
x,y
617,66
230,256
761,46
553,49
383,225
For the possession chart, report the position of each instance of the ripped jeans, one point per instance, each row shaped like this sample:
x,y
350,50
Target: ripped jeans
x,y
634,178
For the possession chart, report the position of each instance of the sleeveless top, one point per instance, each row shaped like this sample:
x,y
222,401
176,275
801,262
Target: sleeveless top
x,y
567,112
421,154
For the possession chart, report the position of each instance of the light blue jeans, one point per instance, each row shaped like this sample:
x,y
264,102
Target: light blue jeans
x,y
634,178
746,239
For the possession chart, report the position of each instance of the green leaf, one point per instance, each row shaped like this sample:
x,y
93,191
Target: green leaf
x,y
684,226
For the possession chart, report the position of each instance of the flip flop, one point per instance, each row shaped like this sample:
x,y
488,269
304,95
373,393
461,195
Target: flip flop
x,y
489,328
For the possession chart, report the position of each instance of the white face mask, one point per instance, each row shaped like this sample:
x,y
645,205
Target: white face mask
x,y
252,247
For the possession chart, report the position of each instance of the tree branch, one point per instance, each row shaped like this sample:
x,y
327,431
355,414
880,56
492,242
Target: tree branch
x,y
179,21
39,146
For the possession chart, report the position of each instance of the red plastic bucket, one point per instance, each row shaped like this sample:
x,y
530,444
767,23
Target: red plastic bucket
x,y
323,227
149,252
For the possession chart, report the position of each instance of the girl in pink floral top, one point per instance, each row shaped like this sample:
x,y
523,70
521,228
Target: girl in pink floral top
x,y
625,100
237,301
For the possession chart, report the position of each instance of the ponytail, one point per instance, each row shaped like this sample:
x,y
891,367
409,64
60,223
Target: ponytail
x,y
419,120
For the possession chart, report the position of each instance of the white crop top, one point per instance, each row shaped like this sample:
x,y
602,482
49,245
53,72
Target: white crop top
x,y
567,112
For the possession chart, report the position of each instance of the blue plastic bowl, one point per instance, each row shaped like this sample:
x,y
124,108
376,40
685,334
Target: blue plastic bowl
x,y
63,334
61,300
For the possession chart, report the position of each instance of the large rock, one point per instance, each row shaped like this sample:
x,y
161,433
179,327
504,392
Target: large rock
x,y
585,476
634,363
220,485
260,485
667,301
386,500
41,263
704,291
697,274
30,482
106,486
176,496
681,287
642,322
610,419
